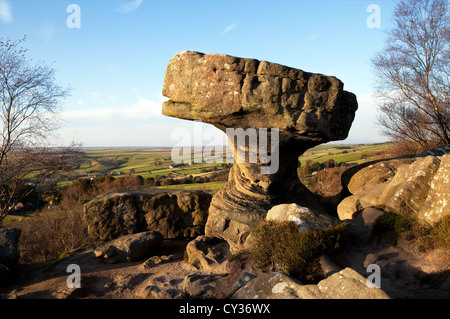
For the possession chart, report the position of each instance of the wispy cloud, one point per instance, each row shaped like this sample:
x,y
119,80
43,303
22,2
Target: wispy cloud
x,y
141,109
5,12
314,36
229,28
148,106
129,6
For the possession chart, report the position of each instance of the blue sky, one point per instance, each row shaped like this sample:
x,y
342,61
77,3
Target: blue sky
x,y
115,61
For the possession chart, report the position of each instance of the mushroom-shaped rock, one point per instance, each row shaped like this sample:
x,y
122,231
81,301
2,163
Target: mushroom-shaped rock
x,y
280,111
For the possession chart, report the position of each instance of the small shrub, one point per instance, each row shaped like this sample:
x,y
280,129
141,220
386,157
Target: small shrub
x,y
282,246
327,182
429,237
391,221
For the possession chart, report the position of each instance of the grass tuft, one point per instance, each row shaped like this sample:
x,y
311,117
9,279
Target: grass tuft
x,y
282,246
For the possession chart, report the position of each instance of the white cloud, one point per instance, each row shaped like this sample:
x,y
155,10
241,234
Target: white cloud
x,y
129,7
141,109
5,12
229,28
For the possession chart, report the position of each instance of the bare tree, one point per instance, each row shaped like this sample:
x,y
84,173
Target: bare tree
x,y
29,99
413,74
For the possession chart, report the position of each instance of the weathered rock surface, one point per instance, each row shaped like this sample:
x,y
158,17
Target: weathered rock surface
x,y
230,92
9,240
345,284
303,217
208,253
173,213
437,203
129,247
407,190
415,187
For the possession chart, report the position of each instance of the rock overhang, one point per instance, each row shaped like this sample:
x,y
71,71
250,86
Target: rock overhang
x,y
300,109
229,91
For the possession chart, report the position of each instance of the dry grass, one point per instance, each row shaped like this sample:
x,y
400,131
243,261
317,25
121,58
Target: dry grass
x,y
438,236
50,234
282,246
429,237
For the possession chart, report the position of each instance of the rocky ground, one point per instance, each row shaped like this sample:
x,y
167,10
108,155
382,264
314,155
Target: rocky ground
x,y
101,279
405,273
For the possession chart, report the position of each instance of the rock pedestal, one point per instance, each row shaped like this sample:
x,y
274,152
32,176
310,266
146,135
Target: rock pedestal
x,y
279,111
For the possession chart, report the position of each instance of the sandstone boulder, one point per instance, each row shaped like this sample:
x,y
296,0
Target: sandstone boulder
x,y
378,173
437,202
208,253
345,284
173,213
228,91
407,190
287,110
129,247
303,217
415,187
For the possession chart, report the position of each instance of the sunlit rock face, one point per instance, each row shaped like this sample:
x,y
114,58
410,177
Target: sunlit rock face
x,y
281,112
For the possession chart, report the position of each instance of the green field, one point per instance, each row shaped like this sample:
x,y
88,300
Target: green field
x,y
144,162
350,154
153,162
211,186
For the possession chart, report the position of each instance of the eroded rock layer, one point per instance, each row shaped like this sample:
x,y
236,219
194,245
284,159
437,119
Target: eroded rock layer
x,y
306,109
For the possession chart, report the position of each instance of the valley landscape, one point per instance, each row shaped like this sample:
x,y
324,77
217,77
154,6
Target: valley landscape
x,y
154,162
